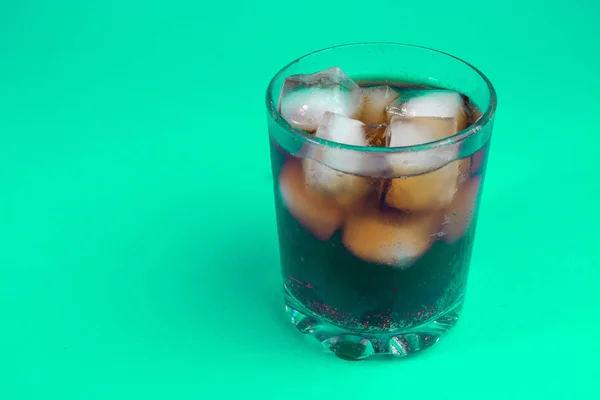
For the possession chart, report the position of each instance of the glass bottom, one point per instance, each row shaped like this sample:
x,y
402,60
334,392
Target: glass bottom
x,y
354,345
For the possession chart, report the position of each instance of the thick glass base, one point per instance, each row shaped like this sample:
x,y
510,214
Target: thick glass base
x,y
351,344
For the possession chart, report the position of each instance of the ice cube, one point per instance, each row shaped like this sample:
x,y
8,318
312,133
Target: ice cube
x,y
376,99
426,192
389,238
411,131
459,214
331,171
316,213
344,189
430,103
305,98
403,132
341,129
439,176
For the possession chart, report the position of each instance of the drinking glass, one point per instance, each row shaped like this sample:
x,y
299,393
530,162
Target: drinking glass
x,y
335,288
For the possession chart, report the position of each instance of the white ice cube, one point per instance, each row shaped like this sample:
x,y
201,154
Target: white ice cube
x,y
405,132
339,129
332,170
430,103
305,98
439,172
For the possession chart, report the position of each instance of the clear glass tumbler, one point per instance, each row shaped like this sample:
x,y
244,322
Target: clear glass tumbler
x,y
366,278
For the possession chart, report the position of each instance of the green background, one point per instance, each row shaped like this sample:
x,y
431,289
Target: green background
x,y
138,253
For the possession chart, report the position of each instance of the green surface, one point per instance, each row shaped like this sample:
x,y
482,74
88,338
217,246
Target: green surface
x,y
138,255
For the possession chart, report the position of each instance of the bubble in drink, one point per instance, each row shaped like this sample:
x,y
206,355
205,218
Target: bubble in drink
x,y
376,99
431,190
305,98
430,103
316,213
459,214
390,239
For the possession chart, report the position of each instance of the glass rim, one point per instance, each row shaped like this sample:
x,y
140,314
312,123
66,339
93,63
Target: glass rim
x,y
471,130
